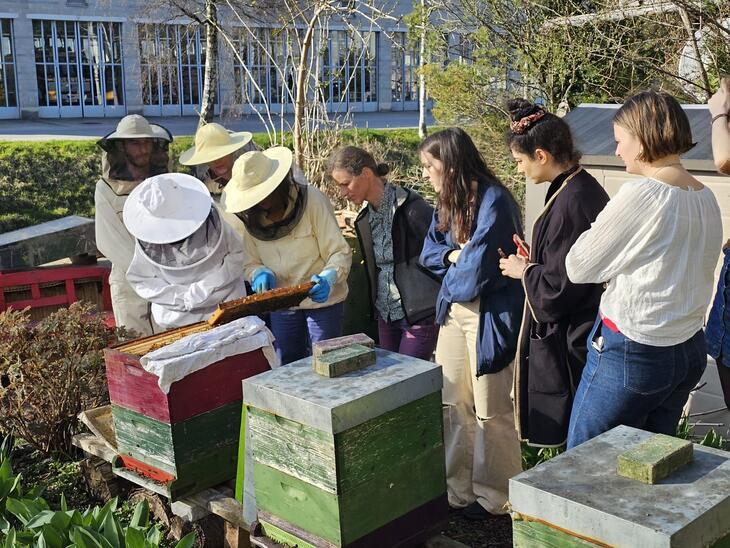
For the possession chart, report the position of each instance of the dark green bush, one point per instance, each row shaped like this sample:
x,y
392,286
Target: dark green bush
x,y
42,181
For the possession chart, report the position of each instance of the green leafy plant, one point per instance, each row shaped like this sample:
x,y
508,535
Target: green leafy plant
x,y
97,527
49,372
26,519
685,430
532,456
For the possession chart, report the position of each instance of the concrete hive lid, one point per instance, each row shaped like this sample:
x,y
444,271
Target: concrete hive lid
x,y
296,392
580,491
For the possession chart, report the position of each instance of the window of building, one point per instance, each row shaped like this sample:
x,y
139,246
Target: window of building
x,y
271,56
79,65
8,92
101,63
172,62
404,69
349,70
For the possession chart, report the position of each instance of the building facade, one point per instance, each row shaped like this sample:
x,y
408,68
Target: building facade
x,y
99,58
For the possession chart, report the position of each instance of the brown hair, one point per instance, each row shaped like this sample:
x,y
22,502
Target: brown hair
x,y
353,160
462,164
658,121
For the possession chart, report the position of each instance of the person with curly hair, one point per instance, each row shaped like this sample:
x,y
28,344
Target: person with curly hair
x,y
558,313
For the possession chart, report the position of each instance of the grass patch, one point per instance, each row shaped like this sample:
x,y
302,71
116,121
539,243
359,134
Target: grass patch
x,y
45,180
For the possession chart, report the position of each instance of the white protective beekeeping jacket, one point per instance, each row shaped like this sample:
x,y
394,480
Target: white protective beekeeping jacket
x,y
117,244
181,295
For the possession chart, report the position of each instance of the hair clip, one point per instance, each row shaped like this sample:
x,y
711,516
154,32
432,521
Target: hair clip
x,y
518,127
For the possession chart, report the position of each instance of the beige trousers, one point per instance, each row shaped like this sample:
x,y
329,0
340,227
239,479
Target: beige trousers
x,y
482,448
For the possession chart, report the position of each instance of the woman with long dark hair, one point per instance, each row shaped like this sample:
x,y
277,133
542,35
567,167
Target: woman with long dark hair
x,y
479,312
558,313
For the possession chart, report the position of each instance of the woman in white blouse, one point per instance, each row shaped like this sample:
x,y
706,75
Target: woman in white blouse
x,y
655,245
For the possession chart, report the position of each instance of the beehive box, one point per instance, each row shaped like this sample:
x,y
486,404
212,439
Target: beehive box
x,y
186,440
578,499
356,460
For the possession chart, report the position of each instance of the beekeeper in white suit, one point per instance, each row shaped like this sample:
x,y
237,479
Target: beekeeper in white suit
x,y
133,152
186,260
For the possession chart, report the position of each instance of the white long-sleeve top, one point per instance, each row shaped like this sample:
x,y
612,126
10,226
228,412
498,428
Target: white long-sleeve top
x,y
656,246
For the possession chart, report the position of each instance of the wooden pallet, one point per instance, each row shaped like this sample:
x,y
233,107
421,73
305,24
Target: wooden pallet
x,y
217,501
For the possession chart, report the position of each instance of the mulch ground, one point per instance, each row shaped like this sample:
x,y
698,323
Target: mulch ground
x,y
494,532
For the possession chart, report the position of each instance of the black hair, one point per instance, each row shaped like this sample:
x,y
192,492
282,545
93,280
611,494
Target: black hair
x,y
549,133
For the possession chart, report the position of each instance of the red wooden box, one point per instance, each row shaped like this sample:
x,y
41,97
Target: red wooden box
x,y
216,385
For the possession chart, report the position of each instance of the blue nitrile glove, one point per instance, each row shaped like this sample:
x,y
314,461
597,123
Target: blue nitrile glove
x,y
324,280
263,280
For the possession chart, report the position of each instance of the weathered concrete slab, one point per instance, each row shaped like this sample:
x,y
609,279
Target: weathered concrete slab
x,y
296,392
40,244
580,491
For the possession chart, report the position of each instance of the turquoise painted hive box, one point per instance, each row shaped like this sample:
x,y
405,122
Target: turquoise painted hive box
x,y
578,499
356,460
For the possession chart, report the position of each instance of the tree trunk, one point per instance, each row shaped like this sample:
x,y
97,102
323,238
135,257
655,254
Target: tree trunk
x,y
422,128
210,80
301,96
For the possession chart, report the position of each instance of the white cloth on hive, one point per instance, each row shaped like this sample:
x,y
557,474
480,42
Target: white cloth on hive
x,y
194,352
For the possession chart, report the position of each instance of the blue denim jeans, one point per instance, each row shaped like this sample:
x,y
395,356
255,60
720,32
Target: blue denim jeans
x,y
626,382
717,333
296,330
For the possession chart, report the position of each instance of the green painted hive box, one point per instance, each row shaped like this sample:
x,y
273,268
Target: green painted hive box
x,y
578,499
356,460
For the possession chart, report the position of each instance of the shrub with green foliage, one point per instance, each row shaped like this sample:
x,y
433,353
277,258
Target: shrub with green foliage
x,y
50,371
42,181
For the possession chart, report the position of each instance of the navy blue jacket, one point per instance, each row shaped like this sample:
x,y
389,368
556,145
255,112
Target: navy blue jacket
x,y
476,274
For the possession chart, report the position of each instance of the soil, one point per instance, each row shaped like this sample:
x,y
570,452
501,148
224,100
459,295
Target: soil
x,y
494,532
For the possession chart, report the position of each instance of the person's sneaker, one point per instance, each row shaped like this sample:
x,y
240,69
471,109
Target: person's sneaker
x,y
475,512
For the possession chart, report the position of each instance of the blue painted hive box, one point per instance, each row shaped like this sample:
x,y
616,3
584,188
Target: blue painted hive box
x,y
577,499
355,460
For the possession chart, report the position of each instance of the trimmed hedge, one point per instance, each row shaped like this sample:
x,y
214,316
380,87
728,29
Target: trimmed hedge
x,y
46,180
